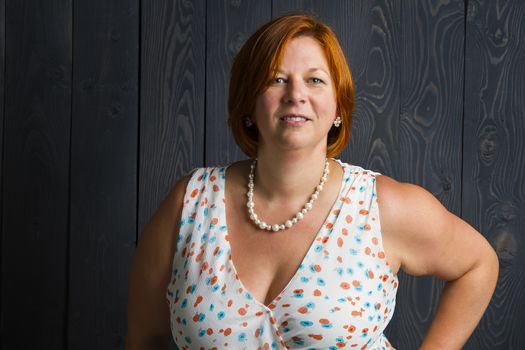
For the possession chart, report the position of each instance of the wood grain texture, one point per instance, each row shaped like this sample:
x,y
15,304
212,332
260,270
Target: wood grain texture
x,y
494,161
36,174
229,24
429,137
172,97
103,171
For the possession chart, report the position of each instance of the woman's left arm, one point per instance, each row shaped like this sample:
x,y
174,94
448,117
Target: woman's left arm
x,y
426,239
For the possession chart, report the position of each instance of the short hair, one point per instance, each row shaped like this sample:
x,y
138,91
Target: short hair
x,y
258,61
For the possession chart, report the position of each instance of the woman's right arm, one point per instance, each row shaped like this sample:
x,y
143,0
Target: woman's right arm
x,y
150,273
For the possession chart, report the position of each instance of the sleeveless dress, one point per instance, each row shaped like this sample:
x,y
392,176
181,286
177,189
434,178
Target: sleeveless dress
x,y
341,296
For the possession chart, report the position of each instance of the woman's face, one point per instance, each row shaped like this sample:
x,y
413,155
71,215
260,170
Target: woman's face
x,y
299,106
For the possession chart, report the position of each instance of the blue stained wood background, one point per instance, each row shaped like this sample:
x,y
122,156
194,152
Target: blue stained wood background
x,y
105,104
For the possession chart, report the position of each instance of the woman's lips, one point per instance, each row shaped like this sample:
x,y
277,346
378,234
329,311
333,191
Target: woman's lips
x,y
293,120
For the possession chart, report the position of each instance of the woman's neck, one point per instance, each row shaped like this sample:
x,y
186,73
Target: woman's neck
x,y
288,176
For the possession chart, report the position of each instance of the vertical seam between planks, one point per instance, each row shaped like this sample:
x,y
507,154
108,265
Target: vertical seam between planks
x,y
400,86
462,145
205,115
3,172
68,235
139,97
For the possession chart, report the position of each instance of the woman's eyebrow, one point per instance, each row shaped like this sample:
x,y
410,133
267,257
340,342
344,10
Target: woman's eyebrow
x,y
310,70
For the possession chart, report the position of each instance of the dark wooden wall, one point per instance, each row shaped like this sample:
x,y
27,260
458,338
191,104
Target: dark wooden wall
x,y
104,104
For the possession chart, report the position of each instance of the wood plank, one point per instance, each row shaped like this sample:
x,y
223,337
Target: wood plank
x,y
229,25
172,97
2,93
494,165
103,171
430,135
36,174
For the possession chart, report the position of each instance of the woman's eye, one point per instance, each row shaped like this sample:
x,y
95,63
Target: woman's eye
x,y
279,80
316,80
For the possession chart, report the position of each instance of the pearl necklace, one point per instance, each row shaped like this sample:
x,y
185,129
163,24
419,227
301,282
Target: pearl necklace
x,y
299,216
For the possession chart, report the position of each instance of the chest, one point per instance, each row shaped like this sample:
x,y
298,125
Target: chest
x,y
267,261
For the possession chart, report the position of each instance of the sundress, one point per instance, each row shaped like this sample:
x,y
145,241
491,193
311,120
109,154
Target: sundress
x,y
341,296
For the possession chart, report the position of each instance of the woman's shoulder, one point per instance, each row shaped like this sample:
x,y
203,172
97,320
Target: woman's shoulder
x,y
413,221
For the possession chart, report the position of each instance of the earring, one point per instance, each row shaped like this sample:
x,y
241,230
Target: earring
x,y
248,122
337,122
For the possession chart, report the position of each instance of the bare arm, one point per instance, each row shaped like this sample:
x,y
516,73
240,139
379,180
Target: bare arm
x,y
426,239
148,313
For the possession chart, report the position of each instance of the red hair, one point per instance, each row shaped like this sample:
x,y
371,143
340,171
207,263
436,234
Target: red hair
x,y
258,61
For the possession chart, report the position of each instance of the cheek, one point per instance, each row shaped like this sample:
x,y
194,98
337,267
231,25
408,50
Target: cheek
x,y
266,104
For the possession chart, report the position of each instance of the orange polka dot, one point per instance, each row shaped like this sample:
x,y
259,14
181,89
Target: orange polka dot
x,y
214,221
317,293
215,188
194,192
316,336
368,251
345,285
324,321
227,331
302,309
381,255
242,311
317,268
197,302
349,219
363,212
374,240
339,242
367,227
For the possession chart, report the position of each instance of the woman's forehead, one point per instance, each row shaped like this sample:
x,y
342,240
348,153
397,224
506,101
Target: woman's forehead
x,y
305,53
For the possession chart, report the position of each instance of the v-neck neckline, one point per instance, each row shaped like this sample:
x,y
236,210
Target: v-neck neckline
x,y
319,233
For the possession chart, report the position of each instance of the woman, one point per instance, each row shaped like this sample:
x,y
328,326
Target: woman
x,y
292,248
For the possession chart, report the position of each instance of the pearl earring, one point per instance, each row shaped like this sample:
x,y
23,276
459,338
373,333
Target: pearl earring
x,y
248,122
337,122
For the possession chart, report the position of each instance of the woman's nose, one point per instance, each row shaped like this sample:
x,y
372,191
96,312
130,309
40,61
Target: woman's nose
x,y
294,92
